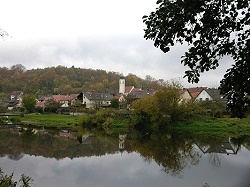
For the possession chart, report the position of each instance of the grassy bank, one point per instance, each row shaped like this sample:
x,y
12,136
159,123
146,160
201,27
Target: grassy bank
x,y
216,126
49,120
207,126
61,121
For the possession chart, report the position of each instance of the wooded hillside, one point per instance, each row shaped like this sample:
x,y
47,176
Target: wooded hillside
x,y
63,80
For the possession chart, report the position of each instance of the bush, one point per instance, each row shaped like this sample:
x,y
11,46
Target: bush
x,y
7,180
15,120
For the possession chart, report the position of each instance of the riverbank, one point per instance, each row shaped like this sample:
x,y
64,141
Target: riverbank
x,y
232,127
215,126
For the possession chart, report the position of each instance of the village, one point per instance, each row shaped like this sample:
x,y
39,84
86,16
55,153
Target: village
x,y
96,100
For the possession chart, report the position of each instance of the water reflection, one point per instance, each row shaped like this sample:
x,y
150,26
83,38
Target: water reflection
x,y
173,153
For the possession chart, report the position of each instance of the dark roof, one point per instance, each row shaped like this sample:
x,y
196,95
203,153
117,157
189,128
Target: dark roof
x,y
215,94
140,93
98,96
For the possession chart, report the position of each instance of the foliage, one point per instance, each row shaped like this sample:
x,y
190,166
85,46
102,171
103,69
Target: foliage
x,y
162,108
76,106
15,120
3,109
29,102
51,106
212,29
62,80
215,109
7,180
115,103
103,117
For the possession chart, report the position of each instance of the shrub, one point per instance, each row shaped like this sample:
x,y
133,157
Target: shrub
x,y
7,180
15,120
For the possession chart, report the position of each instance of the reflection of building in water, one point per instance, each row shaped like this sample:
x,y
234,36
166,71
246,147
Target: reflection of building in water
x,y
246,143
16,156
122,138
224,147
86,138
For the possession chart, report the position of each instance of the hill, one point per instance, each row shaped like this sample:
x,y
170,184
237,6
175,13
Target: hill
x,y
64,80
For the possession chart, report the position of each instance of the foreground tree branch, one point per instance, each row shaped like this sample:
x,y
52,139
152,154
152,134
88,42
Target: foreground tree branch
x,y
212,29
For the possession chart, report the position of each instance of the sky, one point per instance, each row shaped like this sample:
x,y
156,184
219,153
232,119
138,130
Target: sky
x,y
94,34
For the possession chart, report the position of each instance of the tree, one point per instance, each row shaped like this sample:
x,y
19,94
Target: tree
x,y
29,102
115,103
8,181
18,68
3,33
212,29
163,108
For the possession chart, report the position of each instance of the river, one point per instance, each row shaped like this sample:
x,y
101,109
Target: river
x,y
63,159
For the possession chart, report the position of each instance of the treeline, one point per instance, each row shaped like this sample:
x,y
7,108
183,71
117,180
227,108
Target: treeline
x,y
64,80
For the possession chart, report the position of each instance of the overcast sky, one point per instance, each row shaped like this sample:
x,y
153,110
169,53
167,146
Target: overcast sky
x,y
93,34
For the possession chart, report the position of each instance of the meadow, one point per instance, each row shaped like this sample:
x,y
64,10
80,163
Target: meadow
x,y
202,126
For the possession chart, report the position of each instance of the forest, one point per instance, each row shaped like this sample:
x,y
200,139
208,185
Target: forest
x,y
64,80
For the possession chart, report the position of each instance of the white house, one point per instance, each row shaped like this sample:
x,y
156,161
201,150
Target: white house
x,y
204,96
93,99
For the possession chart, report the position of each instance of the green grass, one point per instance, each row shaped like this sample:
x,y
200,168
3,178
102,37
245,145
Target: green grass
x,y
204,126
216,126
50,120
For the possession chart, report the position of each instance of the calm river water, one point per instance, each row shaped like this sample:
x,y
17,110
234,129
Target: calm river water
x,y
58,158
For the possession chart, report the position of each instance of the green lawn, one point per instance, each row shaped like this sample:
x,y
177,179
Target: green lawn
x,y
50,120
216,126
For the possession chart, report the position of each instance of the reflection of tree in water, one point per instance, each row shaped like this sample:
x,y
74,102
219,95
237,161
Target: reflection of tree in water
x,y
28,137
16,156
215,159
172,152
218,147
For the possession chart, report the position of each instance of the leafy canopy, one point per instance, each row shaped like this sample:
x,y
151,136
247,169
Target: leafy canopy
x,y
29,102
212,29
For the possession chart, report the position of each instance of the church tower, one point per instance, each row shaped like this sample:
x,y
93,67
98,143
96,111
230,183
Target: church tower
x,y
122,84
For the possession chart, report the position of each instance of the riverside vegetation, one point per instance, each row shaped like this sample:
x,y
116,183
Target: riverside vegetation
x,y
163,110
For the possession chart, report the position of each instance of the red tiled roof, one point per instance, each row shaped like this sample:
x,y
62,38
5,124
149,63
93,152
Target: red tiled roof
x,y
68,97
128,89
40,104
194,92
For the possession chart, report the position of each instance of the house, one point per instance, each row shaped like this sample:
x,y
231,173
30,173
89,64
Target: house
x,y
15,99
42,101
200,94
184,95
137,93
215,94
96,100
16,95
65,100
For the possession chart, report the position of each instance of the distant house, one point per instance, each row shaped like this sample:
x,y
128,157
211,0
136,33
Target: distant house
x,y
185,95
138,93
16,95
215,94
96,100
41,102
200,94
15,99
65,100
